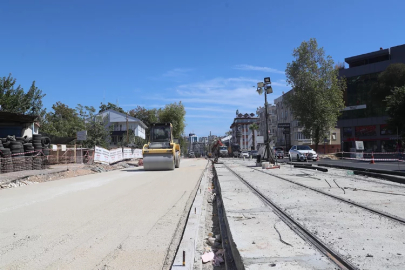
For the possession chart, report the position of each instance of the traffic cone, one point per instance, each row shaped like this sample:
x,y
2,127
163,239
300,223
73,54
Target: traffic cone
x,y
372,158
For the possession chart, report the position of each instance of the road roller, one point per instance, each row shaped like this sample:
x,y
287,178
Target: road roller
x,y
163,151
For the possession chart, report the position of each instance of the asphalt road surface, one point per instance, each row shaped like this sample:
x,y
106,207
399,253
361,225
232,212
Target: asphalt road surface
x,y
391,166
117,220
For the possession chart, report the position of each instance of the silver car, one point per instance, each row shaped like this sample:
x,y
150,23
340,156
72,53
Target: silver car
x,y
302,153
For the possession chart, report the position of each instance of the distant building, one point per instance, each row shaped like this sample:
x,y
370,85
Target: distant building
x,y
203,140
272,122
363,119
242,123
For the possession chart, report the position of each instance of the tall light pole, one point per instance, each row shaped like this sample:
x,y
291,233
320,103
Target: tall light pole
x,y
265,87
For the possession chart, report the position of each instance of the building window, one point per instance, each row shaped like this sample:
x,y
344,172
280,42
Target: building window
x,y
333,136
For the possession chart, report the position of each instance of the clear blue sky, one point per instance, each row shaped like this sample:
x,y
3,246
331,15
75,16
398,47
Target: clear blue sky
x,y
208,54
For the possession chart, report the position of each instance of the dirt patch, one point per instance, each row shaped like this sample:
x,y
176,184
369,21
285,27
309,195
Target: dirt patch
x,y
212,241
70,172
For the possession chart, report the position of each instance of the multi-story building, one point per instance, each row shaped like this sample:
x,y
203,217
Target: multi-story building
x,y
203,140
363,119
294,136
271,120
241,123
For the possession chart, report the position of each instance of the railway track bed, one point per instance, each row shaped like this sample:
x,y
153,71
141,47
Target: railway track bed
x,y
348,234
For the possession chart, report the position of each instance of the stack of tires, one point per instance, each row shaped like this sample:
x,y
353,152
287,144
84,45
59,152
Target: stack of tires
x,y
46,142
28,150
37,159
17,152
6,163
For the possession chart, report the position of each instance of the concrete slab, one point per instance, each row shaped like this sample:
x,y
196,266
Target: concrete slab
x,y
367,240
260,239
190,237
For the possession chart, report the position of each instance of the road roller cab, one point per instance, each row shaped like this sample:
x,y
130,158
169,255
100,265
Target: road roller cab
x,y
163,151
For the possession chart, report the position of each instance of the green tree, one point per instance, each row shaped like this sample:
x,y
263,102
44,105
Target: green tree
x,y
14,99
62,121
174,113
148,117
396,109
98,132
105,107
317,92
393,76
253,127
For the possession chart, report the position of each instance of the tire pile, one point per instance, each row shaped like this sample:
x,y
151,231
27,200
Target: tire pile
x,y
22,153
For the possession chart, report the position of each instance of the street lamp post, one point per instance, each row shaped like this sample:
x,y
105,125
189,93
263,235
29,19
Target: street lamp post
x,y
266,88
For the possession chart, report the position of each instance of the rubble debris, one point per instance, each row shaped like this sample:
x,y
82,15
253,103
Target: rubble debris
x,y
207,257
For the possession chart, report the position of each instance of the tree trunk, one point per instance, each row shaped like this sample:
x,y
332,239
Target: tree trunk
x,y
316,137
253,139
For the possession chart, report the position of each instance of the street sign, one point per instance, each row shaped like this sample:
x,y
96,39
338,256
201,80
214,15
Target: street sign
x,y
359,145
81,135
283,125
267,80
259,139
260,84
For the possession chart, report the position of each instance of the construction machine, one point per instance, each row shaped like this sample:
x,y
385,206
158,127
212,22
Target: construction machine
x,y
163,151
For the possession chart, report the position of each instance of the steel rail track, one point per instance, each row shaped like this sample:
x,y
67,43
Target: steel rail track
x,y
372,210
334,256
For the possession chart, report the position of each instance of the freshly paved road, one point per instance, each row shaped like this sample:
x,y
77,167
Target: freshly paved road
x,y
117,220
391,166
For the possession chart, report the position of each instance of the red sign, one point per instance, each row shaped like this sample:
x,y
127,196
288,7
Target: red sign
x,y
364,131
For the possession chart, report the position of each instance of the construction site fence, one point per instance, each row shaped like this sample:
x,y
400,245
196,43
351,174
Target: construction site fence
x,y
63,154
372,156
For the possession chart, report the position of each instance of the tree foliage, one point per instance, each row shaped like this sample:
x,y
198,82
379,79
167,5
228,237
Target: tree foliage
x,y
396,109
317,92
98,132
62,121
174,113
105,107
253,127
393,76
14,99
148,117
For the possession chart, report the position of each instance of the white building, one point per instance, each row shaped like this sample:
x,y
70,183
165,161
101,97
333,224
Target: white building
x,y
271,120
119,122
242,123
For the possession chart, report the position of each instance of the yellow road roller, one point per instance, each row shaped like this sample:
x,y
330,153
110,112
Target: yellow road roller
x,y
163,151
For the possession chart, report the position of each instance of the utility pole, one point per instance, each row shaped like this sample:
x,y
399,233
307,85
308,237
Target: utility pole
x,y
266,87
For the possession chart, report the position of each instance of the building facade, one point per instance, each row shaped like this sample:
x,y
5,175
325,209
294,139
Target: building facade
x,y
118,122
295,136
271,120
362,119
248,138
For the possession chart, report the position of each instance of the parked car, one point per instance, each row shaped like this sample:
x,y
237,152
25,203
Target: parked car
x,y
254,153
279,152
191,155
302,153
244,154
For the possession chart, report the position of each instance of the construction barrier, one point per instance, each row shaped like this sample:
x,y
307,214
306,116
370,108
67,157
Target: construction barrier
x,y
105,156
373,156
